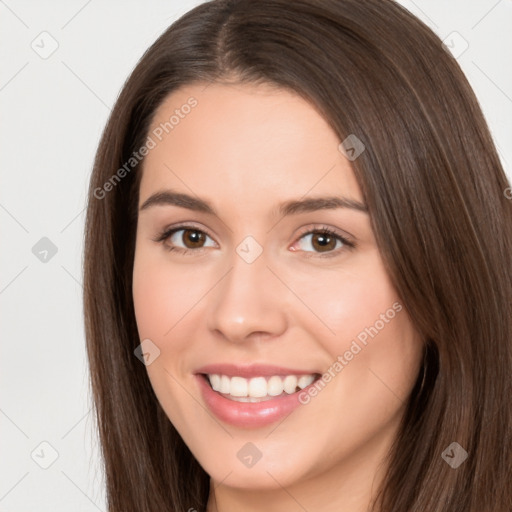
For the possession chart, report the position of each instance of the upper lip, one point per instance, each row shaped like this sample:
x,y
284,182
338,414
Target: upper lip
x,y
251,370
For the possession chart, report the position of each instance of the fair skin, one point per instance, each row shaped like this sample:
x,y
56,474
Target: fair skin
x,y
246,149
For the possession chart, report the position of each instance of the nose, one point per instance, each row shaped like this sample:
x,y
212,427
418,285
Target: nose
x,y
248,303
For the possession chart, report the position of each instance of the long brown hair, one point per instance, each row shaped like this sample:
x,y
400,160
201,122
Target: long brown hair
x,y
434,187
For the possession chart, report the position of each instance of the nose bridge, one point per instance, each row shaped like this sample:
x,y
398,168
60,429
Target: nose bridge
x,y
245,300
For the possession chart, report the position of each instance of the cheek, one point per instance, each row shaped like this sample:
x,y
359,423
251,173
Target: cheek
x,y
150,297
358,403
162,297
374,350
351,301
162,294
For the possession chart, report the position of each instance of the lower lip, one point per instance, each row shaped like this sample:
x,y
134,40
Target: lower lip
x,y
247,414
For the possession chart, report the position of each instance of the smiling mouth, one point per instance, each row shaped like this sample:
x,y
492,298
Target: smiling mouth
x,y
258,389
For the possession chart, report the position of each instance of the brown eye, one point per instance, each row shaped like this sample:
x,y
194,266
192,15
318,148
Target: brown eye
x,y
193,238
323,242
185,238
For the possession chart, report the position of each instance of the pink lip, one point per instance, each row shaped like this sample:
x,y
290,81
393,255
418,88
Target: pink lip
x,y
247,414
253,370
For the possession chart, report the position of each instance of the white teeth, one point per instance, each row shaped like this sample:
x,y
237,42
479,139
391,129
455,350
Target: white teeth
x,y
239,386
275,386
290,384
305,380
245,390
225,384
215,382
257,387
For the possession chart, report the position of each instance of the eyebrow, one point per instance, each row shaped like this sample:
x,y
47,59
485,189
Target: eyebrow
x,y
291,207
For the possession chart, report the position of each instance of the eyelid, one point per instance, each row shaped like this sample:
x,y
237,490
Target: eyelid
x,y
168,230
345,238
349,239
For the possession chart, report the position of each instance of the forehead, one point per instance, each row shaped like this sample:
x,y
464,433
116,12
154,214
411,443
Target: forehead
x,y
259,142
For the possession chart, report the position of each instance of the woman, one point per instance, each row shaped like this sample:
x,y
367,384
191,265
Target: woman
x,y
297,270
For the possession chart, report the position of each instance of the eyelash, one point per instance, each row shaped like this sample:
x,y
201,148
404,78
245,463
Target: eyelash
x,y
324,230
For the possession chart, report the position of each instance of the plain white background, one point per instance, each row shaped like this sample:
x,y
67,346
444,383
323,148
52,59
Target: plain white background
x,y
53,110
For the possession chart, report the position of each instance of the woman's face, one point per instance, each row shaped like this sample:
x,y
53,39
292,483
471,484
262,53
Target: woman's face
x,y
264,299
